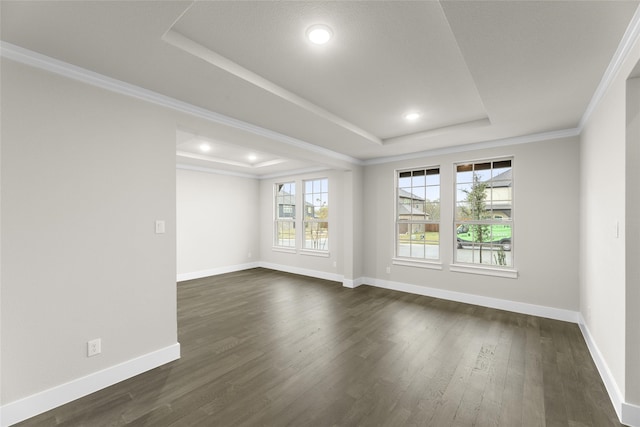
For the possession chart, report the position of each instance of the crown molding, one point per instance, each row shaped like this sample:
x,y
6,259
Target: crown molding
x,y
295,172
629,39
525,139
37,60
214,171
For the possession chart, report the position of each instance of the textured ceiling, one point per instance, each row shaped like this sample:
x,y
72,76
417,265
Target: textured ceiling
x,y
476,70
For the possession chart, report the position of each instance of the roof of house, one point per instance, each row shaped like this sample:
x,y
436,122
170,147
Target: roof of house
x,y
407,195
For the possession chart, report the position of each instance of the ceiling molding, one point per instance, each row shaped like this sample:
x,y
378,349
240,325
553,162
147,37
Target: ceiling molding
x,y
215,171
179,41
630,38
37,60
212,159
438,131
294,172
525,139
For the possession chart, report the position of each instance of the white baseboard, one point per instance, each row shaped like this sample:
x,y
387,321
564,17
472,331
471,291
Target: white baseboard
x,y
303,271
215,271
628,413
353,283
501,304
46,400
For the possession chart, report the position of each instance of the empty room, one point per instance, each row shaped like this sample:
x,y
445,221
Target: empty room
x,y
319,213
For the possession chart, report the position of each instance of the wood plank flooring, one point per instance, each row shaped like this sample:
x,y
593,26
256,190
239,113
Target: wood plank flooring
x,y
265,348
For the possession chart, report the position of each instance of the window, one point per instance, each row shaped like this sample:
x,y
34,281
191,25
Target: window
x,y
484,213
316,214
418,214
285,223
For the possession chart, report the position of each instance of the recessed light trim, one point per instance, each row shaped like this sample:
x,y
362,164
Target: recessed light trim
x,y
319,34
204,147
252,157
412,116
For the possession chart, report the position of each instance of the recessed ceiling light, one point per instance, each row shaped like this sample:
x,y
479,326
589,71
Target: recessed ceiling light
x,y
252,157
204,147
412,116
319,34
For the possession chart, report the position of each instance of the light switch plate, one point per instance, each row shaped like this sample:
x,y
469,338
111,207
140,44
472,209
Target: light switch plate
x,y
159,226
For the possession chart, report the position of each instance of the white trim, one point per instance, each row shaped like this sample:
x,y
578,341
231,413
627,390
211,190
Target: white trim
x,y
630,414
525,139
500,304
353,283
34,59
215,271
485,271
303,271
215,171
607,377
433,265
46,400
630,37
284,249
295,172
311,252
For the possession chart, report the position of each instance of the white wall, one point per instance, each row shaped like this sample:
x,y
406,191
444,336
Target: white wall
x,y
603,283
545,235
85,174
217,223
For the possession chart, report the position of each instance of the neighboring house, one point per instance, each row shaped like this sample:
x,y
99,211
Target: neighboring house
x,y
500,195
411,208
286,205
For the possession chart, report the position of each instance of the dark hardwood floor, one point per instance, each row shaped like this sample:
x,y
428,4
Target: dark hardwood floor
x,y
261,347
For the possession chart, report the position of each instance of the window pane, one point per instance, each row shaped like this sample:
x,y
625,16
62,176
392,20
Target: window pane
x,y
285,209
418,241
285,234
316,235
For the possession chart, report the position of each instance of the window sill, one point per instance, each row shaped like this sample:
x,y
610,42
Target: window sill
x,y
324,254
283,249
433,265
485,271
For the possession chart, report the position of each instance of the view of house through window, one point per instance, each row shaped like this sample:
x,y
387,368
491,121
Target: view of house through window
x,y
418,214
484,213
316,214
285,223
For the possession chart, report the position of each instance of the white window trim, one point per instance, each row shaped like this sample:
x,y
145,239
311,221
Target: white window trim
x,y
275,247
487,270
284,249
318,253
308,251
415,262
509,273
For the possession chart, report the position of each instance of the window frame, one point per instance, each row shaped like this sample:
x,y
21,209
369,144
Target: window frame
x,y
413,261
492,268
284,220
315,251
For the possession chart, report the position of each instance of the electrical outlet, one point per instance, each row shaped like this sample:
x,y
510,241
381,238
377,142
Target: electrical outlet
x,y
94,347
249,255
335,264
388,270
